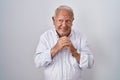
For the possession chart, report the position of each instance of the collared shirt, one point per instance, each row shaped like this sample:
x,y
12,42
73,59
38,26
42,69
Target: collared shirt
x,y
63,66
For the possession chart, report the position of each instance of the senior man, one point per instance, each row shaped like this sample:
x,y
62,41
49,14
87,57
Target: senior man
x,y
63,51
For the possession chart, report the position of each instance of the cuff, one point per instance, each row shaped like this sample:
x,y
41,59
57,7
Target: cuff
x,y
83,60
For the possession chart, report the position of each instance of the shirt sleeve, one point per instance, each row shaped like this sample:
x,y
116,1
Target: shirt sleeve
x,y
43,55
86,57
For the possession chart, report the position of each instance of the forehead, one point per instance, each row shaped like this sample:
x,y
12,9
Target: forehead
x,y
63,14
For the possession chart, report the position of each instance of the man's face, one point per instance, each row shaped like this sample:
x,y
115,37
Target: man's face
x,y
63,22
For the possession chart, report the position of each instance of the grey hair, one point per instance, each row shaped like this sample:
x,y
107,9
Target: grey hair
x,y
64,7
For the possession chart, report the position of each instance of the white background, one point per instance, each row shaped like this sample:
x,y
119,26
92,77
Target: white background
x,y
23,21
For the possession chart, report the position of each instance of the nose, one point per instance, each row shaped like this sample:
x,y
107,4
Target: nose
x,y
64,23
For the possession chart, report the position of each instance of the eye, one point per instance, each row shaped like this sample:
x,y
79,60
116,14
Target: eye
x,y
60,20
69,21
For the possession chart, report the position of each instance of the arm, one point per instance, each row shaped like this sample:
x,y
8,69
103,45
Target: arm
x,y
82,55
42,56
86,58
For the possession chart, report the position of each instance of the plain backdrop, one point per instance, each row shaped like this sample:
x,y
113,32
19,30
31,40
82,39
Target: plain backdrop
x,y
23,21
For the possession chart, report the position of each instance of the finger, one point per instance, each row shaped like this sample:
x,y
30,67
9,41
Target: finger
x,y
64,38
64,41
66,44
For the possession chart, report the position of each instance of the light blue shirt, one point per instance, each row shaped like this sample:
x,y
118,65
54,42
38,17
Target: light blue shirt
x,y
63,66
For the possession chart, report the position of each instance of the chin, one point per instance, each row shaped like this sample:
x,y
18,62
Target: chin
x,y
63,34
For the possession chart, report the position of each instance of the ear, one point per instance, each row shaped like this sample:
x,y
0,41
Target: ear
x,y
73,19
53,18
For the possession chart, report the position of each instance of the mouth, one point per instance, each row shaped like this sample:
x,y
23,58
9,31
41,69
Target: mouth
x,y
63,30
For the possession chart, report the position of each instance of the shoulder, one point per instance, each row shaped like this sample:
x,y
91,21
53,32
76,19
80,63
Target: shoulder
x,y
77,32
47,33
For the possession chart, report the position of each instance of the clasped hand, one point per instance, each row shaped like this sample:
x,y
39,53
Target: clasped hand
x,y
64,42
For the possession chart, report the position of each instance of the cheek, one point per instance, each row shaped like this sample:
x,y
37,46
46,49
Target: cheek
x,y
57,26
70,25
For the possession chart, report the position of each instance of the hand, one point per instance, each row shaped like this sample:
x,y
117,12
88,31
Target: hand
x,y
68,44
61,43
65,42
